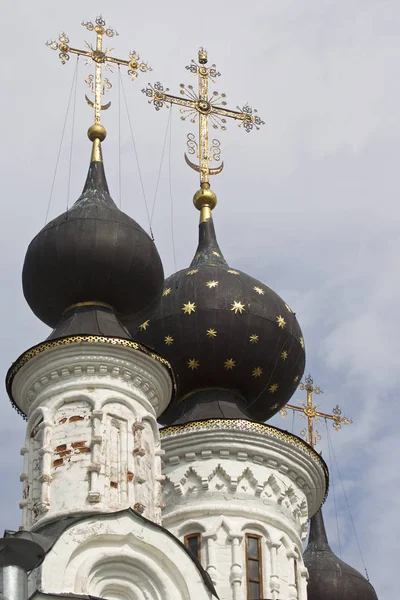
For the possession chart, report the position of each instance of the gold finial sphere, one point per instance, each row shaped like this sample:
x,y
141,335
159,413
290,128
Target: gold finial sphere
x,y
205,197
97,132
203,56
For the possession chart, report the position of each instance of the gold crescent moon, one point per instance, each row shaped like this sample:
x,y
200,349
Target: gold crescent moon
x,y
195,167
104,107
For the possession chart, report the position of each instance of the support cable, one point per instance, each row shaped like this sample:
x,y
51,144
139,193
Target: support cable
x,y
348,506
333,490
61,141
136,156
119,140
72,135
170,192
160,169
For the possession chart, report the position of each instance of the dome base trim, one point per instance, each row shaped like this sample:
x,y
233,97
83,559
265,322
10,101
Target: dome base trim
x,y
244,425
78,339
88,303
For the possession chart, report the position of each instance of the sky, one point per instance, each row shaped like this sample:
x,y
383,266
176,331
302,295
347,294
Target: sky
x,y
307,204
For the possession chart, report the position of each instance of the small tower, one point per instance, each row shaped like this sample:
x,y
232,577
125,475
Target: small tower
x,y
329,577
238,492
91,396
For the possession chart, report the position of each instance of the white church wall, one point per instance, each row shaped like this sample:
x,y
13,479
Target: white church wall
x,y
92,440
225,482
119,557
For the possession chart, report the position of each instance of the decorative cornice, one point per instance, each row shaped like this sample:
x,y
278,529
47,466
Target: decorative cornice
x,y
247,426
78,339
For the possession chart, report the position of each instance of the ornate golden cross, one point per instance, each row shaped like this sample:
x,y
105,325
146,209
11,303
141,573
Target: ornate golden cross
x,y
101,58
207,108
310,412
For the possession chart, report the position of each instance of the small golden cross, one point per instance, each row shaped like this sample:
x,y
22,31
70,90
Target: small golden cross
x,y
101,58
310,412
206,108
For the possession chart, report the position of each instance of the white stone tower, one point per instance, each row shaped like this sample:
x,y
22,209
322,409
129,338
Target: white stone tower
x,y
246,491
237,492
92,441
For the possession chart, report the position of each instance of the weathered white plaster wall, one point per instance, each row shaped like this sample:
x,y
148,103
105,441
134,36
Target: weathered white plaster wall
x,y
92,441
225,479
118,557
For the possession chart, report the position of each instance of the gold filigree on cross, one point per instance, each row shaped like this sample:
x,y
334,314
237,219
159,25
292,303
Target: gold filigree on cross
x,y
310,412
206,108
101,58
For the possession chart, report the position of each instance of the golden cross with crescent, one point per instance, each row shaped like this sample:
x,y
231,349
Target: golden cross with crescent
x,y
101,58
311,413
206,108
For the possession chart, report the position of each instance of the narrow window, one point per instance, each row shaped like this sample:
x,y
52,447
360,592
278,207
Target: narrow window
x,y
193,543
254,567
296,581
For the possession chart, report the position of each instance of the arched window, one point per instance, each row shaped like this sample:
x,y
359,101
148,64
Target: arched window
x,y
253,567
193,543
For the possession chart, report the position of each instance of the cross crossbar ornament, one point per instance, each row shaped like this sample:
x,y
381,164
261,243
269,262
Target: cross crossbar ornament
x,y
101,58
208,109
310,412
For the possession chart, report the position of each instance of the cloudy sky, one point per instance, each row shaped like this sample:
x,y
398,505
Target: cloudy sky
x,y
309,204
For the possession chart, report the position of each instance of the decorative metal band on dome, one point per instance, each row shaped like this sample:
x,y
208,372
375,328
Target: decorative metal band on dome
x,y
242,425
89,339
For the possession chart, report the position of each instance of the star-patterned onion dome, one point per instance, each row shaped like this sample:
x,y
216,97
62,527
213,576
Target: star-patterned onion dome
x,y
229,337
329,577
93,253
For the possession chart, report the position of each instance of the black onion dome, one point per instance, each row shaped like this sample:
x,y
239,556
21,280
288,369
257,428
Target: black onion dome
x,y
92,253
329,577
223,330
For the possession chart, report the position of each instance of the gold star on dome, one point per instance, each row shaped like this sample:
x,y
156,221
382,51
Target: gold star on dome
x,y
274,406
211,333
166,292
288,308
302,343
259,290
272,388
253,339
257,372
284,355
188,308
295,380
211,284
229,364
216,253
237,307
232,272
193,364
144,325
169,340
192,272
281,321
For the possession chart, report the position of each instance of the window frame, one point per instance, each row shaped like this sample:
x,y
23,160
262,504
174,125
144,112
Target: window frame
x,y
249,579
189,536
